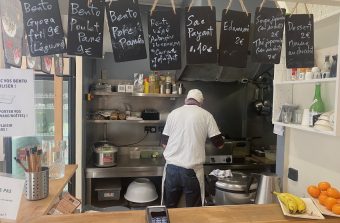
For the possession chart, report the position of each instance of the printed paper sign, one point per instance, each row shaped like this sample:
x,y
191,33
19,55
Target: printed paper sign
x,y
10,195
17,117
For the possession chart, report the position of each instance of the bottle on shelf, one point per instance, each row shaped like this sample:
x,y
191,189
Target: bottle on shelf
x,y
334,65
146,86
326,68
152,83
317,107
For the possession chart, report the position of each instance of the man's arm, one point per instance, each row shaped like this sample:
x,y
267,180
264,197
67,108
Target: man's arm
x,y
164,140
218,141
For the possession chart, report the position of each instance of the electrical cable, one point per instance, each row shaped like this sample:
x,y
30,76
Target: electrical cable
x,y
131,144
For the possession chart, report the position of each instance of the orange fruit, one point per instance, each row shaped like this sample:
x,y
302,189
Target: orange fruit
x,y
338,201
330,202
322,199
313,191
333,192
336,209
324,192
324,185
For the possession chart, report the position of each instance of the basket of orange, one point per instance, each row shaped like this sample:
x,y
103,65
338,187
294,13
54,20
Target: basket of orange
x,y
326,197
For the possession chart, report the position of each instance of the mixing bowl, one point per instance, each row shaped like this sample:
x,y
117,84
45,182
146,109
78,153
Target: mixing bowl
x,y
141,190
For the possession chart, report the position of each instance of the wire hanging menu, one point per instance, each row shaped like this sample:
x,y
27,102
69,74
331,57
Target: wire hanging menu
x,y
164,40
126,30
234,39
85,28
268,33
200,31
299,41
43,27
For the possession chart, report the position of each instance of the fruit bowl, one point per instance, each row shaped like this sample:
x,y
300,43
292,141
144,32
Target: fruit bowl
x,y
323,209
312,212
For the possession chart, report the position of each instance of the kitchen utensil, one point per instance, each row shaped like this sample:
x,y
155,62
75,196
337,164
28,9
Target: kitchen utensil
x,y
36,184
141,190
267,184
105,154
233,189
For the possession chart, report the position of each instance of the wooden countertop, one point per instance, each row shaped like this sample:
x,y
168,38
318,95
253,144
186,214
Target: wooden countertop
x,y
217,214
33,209
35,212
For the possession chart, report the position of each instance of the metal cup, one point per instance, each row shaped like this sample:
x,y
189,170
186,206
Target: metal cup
x,y
36,184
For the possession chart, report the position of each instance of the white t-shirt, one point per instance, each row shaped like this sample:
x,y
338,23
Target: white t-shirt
x,y
188,128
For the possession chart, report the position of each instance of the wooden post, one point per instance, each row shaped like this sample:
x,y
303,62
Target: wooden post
x,y
58,108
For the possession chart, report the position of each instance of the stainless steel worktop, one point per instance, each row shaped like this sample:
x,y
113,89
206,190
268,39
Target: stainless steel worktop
x,y
127,167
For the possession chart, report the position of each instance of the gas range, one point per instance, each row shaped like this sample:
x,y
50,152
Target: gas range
x,y
219,159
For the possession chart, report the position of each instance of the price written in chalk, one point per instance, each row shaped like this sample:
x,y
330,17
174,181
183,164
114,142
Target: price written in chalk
x,y
299,41
43,27
234,39
85,28
268,33
126,30
164,41
200,28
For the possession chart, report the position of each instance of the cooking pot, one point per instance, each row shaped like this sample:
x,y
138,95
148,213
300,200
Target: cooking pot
x,y
105,154
233,189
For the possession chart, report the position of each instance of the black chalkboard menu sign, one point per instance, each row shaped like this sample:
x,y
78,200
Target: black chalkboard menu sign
x,y
43,27
268,32
85,28
12,31
234,39
200,32
164,40
299,41
126,30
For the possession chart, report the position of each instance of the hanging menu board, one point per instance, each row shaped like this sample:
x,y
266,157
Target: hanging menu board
x,y
299,41
126,30
43,27
164,40
234,39
200,32
85,28
12,31
268,32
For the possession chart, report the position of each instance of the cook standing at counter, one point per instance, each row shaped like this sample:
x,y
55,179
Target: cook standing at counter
x,y
183,138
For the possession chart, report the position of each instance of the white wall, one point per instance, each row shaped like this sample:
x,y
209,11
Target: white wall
x,y
315,156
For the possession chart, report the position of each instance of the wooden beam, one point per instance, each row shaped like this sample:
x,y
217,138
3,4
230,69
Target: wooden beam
x,y
314,2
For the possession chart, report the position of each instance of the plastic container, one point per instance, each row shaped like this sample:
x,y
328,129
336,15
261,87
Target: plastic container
x,y
141,190
108,190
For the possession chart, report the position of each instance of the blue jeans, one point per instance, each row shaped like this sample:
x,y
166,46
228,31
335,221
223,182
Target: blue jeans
x,y
179,180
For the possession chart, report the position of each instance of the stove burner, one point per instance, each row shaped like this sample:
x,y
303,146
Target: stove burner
x,y
219,159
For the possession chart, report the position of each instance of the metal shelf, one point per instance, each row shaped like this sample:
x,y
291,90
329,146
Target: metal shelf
x,y
102,93
127,121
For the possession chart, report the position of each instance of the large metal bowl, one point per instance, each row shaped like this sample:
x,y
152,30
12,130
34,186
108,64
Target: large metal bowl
x,y
141,190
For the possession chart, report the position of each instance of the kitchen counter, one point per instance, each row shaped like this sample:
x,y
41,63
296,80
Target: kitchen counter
x,y
29,210
127,167
217,214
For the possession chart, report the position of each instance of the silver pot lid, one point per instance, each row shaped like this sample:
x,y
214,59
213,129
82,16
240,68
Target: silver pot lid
x,y
105,148
237,182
